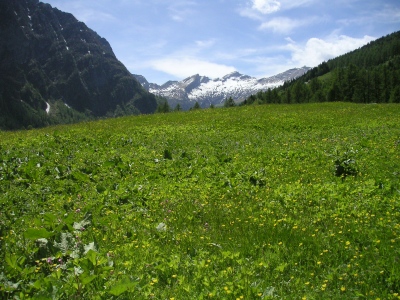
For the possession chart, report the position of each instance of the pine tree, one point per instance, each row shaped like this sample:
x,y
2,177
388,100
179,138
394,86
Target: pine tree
x,y
229,102
196,106
395,95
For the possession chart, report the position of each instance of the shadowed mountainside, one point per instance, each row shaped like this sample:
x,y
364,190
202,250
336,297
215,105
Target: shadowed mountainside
x,y
54,69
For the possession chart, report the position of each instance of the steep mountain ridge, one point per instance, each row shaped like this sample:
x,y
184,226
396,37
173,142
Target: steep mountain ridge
x,y
54,69
207,91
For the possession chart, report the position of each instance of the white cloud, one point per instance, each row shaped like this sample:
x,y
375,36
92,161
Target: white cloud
x,y
182,67
289,39
181,10
88,16
290,4
206,43
283,25
255,9
266,6
316,50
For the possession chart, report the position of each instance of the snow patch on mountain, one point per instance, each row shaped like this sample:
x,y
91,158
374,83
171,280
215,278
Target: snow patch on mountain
x,y
208,91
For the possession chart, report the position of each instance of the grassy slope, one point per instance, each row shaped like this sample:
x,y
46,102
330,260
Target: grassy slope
x,y
223,203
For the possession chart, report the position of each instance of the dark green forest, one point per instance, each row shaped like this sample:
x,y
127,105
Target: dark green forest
x,y
370,74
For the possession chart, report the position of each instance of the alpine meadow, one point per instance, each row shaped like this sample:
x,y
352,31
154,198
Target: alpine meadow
x,y
296,201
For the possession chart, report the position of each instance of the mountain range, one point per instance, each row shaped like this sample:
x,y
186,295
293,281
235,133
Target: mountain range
x,y
207,91
54,69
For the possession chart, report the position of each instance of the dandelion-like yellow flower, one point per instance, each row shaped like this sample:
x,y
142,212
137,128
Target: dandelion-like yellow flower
x,y
342,288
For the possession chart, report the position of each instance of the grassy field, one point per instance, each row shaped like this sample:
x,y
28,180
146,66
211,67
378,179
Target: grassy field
x,y
257,202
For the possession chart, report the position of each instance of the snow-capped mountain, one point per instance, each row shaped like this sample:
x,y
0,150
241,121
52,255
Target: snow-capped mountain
x,y
208,91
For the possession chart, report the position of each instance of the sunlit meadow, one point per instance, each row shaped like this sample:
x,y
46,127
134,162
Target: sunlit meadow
x,y
256,202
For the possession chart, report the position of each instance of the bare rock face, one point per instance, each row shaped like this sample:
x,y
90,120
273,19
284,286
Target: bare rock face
x,y
52,66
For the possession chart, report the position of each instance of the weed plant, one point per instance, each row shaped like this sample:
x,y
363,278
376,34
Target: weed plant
x,y
235,203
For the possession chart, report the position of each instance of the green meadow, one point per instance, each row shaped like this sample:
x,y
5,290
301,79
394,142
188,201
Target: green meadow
x,y
255,202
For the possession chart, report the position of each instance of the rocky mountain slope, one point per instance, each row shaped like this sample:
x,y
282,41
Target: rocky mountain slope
x,y
208,91
54,69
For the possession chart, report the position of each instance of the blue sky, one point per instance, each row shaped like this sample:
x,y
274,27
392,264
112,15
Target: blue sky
x,y
173,39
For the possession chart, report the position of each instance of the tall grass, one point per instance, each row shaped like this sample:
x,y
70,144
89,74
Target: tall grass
x,y
238,203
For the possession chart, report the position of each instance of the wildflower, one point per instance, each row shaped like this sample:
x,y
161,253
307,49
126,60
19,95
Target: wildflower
x,y
342,288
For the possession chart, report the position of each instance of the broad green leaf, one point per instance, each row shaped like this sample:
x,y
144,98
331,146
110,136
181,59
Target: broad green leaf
x,y
122,287
50,220
118,289
80,177
87,279
91,255
12,261
34,234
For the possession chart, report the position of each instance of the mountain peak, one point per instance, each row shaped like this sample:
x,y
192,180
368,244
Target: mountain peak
x,y
205,91
235,75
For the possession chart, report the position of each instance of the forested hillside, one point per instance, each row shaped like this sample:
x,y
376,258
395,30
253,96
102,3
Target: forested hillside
x,y
370,74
